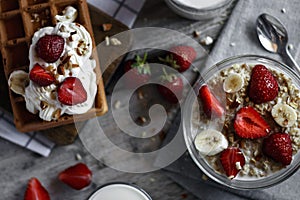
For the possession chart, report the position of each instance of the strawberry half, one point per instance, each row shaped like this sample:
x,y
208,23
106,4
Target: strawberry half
x,y
278,146
211,106
41,76
232,160
248,123
171,88
77,177
71,92
263,85
50,47
181,57
35,191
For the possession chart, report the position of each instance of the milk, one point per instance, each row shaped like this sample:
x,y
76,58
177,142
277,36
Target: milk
x,y
199,4
119,191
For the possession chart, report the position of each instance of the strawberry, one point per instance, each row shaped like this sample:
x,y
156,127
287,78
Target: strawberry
x,y
50,47
138,71
248,123
41,76
211,105
77,177
181,57
71,92
263,85
171,87
232,160
278,146
35,191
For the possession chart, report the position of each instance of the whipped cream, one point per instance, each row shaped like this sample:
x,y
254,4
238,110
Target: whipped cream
x,y
76,54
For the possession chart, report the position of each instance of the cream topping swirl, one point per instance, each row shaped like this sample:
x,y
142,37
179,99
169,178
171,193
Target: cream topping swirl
x,y
76,54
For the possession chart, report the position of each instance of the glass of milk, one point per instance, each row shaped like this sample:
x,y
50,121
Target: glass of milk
x,y
119,190
199,9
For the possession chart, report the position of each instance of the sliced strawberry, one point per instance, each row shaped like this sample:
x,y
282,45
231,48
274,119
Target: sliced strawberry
x,y
232,160
50,47
181,57
35,191
263,85
71,92
137,71
77,177
171,88
249,124
41,76
278,146
211,106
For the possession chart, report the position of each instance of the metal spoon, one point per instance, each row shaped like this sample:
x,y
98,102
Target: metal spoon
x,y
274,38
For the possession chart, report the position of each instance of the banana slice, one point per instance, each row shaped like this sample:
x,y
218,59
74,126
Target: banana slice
x,y
17,81
210,142
284,115
233,83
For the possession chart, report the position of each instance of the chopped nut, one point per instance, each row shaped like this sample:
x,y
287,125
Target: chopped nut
x,y
204,177
140,95
196,33
43,105
106,27
207,41
61,69
56,114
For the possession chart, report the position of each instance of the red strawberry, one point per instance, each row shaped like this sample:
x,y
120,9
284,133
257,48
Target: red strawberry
x,y
263,85
71,92
278,146
211,105
40,76
50,47
77,177
249,124
35,191
171,88
181,57
232,160
138,71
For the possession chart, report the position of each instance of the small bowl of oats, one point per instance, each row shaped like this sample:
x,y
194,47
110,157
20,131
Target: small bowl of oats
x,y
241,122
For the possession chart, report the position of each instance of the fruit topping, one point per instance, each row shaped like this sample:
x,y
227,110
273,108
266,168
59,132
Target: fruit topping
x,y
181,57
210,142
71,92
138,71
171,88
278,146
41,76
35,191
50,48
233,83
248,123
284,115
263,85
232,160
211,106
77,177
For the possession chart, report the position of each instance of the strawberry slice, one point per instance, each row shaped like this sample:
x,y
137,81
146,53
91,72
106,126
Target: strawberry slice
x,y
41,76
278,146
232,160
77,177
35,191
71,92
263,85
211,106
249,124
50,47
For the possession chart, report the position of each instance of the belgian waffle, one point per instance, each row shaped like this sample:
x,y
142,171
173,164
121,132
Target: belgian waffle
x,y
19,20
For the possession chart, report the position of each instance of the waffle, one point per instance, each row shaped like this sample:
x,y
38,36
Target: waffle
x,y
19,20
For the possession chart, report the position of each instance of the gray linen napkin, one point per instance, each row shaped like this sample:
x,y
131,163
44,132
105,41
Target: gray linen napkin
x,y
239,37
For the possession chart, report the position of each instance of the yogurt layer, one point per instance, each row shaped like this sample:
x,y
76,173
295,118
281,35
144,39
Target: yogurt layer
x,y
76,59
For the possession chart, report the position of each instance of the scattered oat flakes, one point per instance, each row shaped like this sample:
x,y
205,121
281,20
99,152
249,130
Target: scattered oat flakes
x,y
232,44
291,47
204,177
117,104
107,41
207,41
78,157
283,10
196,33
115,42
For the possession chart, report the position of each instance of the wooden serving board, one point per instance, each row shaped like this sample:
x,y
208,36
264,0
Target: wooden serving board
x,y
67,134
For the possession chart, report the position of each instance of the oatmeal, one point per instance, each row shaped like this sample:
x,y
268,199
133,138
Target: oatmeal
x,y
250,120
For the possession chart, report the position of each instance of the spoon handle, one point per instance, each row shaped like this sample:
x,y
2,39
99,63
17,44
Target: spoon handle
x,y
291,61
